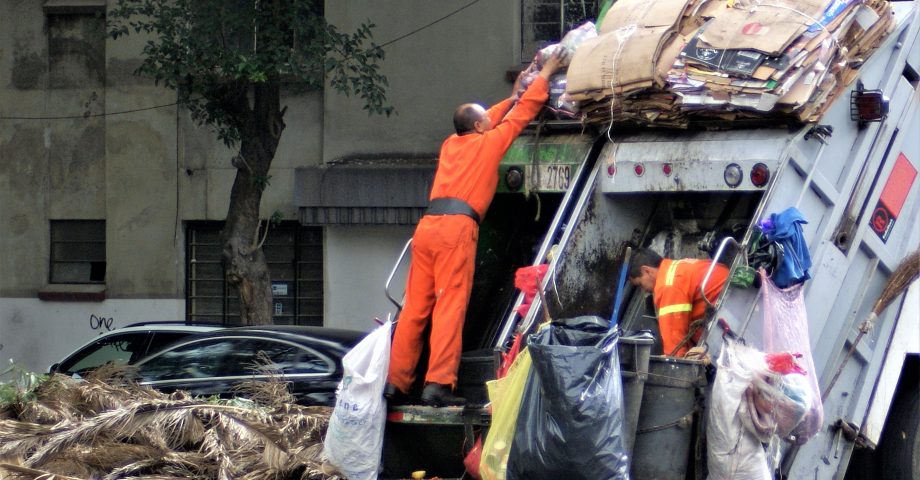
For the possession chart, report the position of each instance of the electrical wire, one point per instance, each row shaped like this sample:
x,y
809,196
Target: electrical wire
x,y
445,17
93,115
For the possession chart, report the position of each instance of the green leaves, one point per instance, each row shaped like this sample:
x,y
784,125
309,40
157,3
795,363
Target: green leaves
x,y
214,52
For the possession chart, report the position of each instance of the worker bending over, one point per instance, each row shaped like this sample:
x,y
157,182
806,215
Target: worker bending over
x,y
444,243
675,288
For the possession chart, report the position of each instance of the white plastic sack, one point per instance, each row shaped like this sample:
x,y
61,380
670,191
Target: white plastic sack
x,y
354,439
733,451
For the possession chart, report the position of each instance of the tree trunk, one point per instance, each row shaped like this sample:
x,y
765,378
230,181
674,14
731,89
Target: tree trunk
x,y
244,262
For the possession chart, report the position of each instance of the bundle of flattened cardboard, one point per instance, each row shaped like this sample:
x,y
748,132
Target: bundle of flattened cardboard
x,y
672,62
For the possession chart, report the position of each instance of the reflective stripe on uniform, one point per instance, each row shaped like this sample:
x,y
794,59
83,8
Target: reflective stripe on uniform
x,y
678,308
672,270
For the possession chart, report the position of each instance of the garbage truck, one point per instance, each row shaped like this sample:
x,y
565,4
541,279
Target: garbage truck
x,y
577,198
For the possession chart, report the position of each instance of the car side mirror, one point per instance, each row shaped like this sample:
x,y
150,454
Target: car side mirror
x,y
54,368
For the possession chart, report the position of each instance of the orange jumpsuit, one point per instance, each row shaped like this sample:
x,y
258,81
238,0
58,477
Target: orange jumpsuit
x,y
444,246
678,300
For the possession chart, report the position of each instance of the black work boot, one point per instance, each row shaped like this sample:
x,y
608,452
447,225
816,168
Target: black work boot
x,y
437,395
395,396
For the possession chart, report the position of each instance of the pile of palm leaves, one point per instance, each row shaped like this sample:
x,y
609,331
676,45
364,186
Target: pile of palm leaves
x,y
108,427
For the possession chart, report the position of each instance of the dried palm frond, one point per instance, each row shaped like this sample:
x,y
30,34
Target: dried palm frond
x,y
272,392
247,434
16,472
113,424
217,453
20,438
170,465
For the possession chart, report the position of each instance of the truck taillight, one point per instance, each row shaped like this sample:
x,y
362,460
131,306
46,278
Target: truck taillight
x,y
639,169
867,105
666,169
733,175
514,179
760,175
611,169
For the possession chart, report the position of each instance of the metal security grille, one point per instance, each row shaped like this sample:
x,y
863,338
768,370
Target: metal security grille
x,y
544,22
77,251
295,259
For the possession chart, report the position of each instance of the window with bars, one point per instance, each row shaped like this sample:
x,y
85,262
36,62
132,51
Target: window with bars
x,y
295,260
77,251
544,22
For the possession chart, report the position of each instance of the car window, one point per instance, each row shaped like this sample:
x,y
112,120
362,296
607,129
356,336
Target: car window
x,y
199,359
163,339
285,357
117,348
230,356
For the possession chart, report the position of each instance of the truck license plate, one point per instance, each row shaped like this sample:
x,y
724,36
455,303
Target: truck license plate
x,y
550,177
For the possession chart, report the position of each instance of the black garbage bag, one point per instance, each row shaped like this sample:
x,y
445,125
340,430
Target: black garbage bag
x,y
571,420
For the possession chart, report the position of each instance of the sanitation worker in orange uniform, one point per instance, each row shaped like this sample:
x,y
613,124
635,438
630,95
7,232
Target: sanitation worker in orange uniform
x,y
675,289
444,244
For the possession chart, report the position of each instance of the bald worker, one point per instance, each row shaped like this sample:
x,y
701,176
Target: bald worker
x,y
444,244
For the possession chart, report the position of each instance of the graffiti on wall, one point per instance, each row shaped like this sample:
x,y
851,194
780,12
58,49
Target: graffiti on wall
x,y
100,322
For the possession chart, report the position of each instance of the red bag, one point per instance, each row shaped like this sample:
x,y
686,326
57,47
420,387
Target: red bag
x,y
471,461
527,280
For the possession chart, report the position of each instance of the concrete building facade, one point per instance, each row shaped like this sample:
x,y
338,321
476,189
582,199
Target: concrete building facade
x,y
110,196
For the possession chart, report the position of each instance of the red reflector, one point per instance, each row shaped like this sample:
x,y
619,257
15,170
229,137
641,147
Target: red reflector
x,y
760,175
666,169
611,170
639,169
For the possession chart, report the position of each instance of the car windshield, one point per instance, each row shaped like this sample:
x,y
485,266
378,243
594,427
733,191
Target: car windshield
x,y
117,349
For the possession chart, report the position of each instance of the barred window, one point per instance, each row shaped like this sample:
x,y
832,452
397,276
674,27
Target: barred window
x,y
544,22
77,251
295,261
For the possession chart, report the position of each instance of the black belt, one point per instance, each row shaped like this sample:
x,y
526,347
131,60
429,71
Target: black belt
x,y
451,206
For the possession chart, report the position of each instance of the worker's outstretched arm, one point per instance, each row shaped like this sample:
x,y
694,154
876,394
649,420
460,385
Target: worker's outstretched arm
x,y
500,137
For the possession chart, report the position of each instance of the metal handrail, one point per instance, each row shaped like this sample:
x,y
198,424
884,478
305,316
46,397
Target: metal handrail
x,y
399,260
712,266
584,176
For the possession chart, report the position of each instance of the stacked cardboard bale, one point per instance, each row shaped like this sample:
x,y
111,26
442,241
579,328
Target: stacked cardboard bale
x,y
673,62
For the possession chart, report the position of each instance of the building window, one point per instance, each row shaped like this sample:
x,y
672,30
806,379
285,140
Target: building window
x,y
544,22
295,260
77,251
76,49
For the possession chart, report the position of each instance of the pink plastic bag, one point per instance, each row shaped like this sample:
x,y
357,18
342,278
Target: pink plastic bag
x,y
785,329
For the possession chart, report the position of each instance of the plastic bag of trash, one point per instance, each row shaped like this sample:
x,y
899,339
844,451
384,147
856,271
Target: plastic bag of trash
x,y
354,439
570,423
572,39
785,328
505,395
733,451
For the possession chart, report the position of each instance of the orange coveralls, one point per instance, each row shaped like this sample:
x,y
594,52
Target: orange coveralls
x,y
678,300
444,246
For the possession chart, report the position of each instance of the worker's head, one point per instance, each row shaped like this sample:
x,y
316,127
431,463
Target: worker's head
x,y
643,269
471,118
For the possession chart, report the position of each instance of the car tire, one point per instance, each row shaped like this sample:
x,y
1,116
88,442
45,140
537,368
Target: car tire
x,y
900,445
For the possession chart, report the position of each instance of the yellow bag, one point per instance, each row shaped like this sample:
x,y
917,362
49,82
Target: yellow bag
x,y
505,395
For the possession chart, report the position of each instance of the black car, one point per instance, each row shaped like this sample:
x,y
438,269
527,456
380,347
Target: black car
x,y
310,358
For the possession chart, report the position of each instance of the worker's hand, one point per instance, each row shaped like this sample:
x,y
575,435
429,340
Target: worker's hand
x,y
699,353
556,60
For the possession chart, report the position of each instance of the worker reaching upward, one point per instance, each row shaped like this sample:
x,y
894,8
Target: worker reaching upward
x,y
444,243
675,289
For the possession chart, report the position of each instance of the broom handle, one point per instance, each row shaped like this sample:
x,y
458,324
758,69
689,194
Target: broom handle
x,y
863,329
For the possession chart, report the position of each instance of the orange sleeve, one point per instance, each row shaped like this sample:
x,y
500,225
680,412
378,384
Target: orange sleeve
x,y
674,307
497,112
499,138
